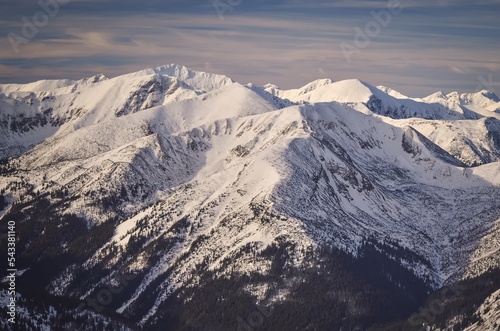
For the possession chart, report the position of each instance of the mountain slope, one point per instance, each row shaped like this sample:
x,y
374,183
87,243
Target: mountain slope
x,y
188,181
385,101
30,114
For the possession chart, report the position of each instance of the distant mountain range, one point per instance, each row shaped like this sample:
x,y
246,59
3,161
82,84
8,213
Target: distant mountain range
x,y
338,205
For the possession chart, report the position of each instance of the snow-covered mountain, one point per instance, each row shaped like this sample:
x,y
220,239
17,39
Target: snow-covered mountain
x,y
171,176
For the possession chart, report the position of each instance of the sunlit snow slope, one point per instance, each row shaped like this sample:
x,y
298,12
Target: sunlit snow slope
x,y
193,170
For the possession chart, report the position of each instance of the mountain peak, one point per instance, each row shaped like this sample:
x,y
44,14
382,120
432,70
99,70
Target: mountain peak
x,y
315,84
174,70
191,185
490,95
392,92
199,80
93,79
437,95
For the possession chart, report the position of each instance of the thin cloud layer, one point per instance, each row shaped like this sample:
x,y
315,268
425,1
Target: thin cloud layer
x,y
418,49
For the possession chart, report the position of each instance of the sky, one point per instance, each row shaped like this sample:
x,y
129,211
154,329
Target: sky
x,y
414,46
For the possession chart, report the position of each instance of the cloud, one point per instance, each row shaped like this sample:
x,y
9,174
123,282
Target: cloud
x,y
258,43
460,70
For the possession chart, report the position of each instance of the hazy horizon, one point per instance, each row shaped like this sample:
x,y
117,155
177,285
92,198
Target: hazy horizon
x,y
415,48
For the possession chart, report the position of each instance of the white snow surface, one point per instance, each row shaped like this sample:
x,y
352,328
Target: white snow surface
x,y
214,167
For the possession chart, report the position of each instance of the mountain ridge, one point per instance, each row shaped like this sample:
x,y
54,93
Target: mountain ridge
x,y
179,175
